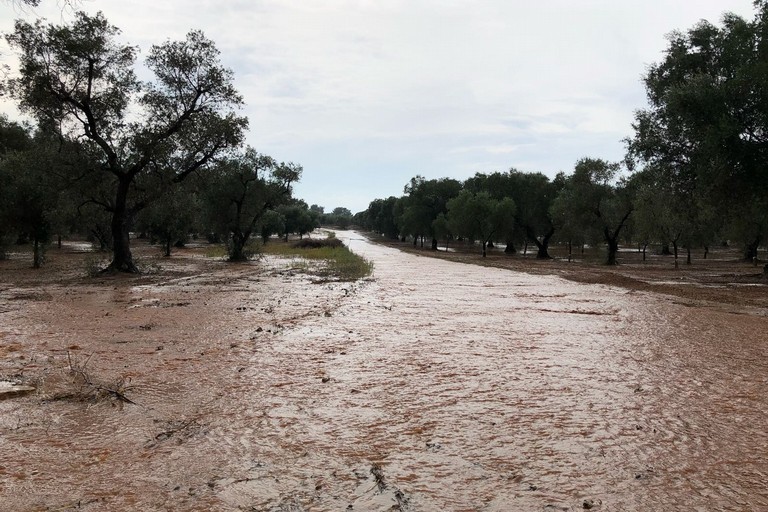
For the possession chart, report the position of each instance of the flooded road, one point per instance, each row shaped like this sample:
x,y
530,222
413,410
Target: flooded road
x,y
480,389
434,387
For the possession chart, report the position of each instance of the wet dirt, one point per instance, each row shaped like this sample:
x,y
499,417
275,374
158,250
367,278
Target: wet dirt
x,y
433,386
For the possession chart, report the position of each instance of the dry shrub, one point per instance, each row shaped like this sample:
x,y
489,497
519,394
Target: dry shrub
x,y
78,384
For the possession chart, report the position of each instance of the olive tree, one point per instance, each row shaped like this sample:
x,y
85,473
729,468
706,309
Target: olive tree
x,y
477,216
149,135
592,199
239,193
705,129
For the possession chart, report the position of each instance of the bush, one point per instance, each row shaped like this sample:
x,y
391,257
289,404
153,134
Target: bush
x,y
338,262
317,243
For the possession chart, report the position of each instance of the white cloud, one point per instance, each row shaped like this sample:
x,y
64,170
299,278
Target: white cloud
x,y
367,93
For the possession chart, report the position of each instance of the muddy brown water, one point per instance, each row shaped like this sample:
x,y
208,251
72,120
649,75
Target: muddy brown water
x,y
436,386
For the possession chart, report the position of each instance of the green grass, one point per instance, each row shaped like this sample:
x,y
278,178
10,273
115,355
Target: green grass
x,y
216,251
334,262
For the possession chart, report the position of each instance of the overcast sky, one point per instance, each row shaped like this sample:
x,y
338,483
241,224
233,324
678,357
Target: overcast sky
x,y
366,94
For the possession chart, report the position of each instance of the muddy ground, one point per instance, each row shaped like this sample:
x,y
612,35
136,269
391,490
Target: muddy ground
x,y
204,385
720,279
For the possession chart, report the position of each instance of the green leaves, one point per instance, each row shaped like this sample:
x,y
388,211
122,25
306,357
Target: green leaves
x,y
705,131
150,135
478,216
75,73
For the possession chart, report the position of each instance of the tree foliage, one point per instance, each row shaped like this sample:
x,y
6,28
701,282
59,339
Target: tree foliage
x,y
704,133
149,135
240,191
478,216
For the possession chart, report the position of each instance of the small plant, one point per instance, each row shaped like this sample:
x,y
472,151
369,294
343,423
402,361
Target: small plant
x,y
252,249
335,260
147,267
216,251
94,264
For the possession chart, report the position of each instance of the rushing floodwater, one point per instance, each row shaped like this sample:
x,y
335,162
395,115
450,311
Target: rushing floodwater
x,y
435,387
482,389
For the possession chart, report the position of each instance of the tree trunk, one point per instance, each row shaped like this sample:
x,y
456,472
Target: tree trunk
x,y
168,247
510,248
674,246
237,251
36,254
706,251
434,243
542,245
525,248
613,249
645,247
122,259
688,256
58,242
750,253
570,251
484,253
612,238
665,249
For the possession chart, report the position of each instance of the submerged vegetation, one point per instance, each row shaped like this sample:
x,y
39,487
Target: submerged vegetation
x,y
328,258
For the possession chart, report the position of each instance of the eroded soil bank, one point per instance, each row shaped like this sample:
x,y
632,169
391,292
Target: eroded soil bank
x,y
434,386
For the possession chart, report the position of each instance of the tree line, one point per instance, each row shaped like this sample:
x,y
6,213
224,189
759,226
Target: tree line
x,y
695,171
108,155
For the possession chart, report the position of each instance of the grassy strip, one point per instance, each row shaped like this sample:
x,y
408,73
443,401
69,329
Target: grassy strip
x,y
339,262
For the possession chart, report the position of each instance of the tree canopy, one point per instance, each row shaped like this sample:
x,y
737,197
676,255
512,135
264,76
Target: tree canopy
x,y
148,135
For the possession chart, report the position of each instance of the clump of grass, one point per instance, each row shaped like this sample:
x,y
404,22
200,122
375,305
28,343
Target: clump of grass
x,y
316,243
94,263
216,251
337,261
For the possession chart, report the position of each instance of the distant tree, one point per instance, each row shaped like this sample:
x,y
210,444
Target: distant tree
x,y
271,223
297,218
171,219
150,134
442,228
341,211
574,223
591,199
34,200
423,202
533,194
380,217
340,217
14,137
477,216
239,193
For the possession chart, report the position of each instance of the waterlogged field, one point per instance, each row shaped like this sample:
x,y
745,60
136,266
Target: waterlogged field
x,y
433,386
